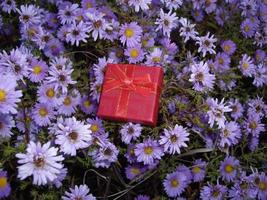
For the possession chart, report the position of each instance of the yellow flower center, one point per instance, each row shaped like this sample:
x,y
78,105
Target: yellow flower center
x,y
50,92
134,53
86,103
253,125
94,128
144,42
67,101
2,95
135,171
3,182
221,61
128,32
73,136
156,59
89,5
148,150
245,65
247,28
229,168
43,112
262,186
226,48
174,183
196,169
37,69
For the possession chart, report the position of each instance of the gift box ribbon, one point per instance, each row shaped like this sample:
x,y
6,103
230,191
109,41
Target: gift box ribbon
x,y
124,81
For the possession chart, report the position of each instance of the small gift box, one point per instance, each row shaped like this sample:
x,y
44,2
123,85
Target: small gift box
x,y
131,93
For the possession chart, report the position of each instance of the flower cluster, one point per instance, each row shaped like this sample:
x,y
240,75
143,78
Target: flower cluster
x,y
210,140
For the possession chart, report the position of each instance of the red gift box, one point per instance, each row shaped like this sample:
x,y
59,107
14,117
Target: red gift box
x,y
131,93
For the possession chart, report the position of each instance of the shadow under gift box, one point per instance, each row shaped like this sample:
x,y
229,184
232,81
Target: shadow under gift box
x,y
131,93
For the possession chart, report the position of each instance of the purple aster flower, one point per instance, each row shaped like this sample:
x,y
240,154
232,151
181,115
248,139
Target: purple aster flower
x,y
88,4
95,90
206,44
42,37
106,155
5,188
60,78
174,139
60,63
172,4
187,29
246,65
57,182
222,15
78,193
6,123
15,63
213,192
252,125
38,70
43,114
29,15
139,4
260,56
222,62
112,33
174,184
96,126
260,39
87,105
148,152
72,135
248,7
147,40
253,142
130,34
142,197
229,168
201,77
67,14
260,75
47,94
99,68
166,22
130,132
216,112
8,6
24,119
170,47
228,46
156,57
98,25
209,5
135,54
41,161
51,21
70,103
133,171
9,96
248,28
197,14
187,172
77,33
199,170
262,186
130,155
230,134
237,109
53,48
243,188
257,106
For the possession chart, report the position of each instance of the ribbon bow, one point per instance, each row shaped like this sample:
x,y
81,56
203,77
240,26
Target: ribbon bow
x,y
127,83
